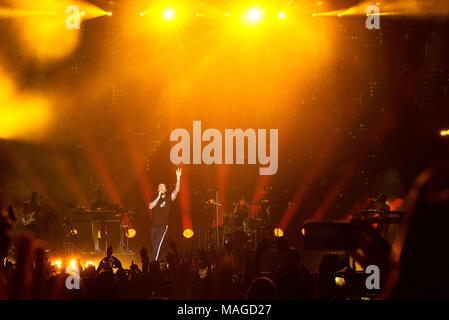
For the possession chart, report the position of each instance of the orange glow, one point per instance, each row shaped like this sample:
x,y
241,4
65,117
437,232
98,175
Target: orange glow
x,y
130,233
23,115
184,194
278,232
187,233
444,132
57,263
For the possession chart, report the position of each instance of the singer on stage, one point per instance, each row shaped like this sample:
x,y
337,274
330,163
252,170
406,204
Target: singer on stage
x,y
160,210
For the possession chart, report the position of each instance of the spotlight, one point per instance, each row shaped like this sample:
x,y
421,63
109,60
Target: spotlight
x,y
444,132
89,263
142,14
72,264
57,263
83,13
109,13
281,15
303,232
188,233
340,281
169,14
278,233
254,15
130,233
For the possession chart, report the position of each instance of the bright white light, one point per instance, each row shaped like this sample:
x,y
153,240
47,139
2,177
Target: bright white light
x,y
254,15
169,14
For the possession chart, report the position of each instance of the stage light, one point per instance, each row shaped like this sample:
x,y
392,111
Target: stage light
x,y
142,14
278,232
444,132
57,263
169,14
188,233
130,233
254,15
72,264
281,15
99,234
73,232
89,263
339,281
109,13
83,13
303,232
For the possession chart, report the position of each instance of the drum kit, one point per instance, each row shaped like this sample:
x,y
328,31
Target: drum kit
x,y
237,221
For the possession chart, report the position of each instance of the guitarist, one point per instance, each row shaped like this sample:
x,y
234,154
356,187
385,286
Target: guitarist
x,y
31,212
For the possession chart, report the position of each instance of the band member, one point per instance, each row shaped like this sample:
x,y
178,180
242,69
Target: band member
x,y
31,214
98,229
241,214
384,213
160,210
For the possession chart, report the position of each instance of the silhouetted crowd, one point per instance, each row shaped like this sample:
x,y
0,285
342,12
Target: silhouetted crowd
x,y
414,267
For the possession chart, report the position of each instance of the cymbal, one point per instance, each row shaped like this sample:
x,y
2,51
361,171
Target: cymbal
x,y
212,202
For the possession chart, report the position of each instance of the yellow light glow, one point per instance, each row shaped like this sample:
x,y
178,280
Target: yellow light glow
x,y
444,132
142,14
303,231
57,263
22,114
99,234
254,15
339,281
281,15
89,263
131,233
188,233
278,232
169,14
109,13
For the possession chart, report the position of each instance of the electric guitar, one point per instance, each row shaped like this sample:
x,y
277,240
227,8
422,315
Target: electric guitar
x,y
29,218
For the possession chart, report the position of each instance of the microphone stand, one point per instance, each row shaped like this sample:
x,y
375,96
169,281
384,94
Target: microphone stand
x,y
216,205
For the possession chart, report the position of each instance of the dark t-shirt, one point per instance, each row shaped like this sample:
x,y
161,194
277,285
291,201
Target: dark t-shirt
x,y
161,211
